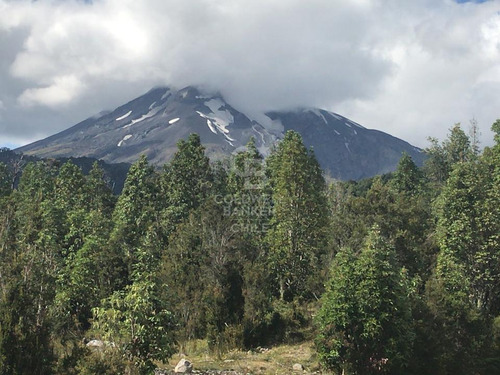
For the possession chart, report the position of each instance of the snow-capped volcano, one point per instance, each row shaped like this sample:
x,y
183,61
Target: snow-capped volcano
x,y
153,123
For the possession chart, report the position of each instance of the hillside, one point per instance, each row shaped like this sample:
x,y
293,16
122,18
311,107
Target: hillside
x,y
153,123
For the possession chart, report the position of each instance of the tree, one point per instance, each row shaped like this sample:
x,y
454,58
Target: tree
x,y
33,264
98,193
459,329
296,236
185,183
467,229
250,200
407,177
137,319
133,215
202,269
86,203
5,180
249,205
365,317
69,185
138,322
463,292
442,157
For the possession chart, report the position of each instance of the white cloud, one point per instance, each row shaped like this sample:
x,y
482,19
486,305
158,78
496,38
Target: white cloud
x,y
409,68
62,91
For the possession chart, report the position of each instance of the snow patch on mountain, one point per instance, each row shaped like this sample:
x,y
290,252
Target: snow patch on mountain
x,y
124,116
127,137
211,127
222,119
165,95
318,113
259,133
151,113
274,127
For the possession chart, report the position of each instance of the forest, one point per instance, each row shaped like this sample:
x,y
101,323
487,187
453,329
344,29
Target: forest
x,y
396,274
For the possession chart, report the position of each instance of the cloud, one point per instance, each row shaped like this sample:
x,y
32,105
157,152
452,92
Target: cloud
x,y
412,69
63,90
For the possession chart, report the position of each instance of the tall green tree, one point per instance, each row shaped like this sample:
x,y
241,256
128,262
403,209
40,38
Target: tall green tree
x,y
466,231
34,265
138,322
461,333
296,236
463,292
407,178
456,148
185,183
5,180
87,207
133,215
202,269
248,201
364,323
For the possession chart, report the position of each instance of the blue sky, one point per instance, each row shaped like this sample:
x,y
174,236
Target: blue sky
x,y
410,68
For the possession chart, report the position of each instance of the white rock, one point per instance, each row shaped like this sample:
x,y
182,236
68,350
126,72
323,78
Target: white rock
x,y
184,367
298,367
95,344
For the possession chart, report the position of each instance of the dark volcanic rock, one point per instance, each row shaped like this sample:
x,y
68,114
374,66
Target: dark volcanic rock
x,y
153,124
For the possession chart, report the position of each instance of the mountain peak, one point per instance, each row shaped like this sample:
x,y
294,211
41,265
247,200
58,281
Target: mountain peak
x,y
153,123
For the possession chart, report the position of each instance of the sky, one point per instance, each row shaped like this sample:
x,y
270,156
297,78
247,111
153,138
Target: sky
x,y
409,68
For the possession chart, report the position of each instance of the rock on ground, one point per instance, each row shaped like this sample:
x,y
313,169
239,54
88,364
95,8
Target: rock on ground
x,y
184,367
298,367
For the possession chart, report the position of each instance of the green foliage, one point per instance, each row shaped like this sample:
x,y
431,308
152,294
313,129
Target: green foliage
x,y
405,218
468,229
296,236
103,362
139,323
134,213
495,128
202,271
135,209
236,252
461,333
442,157
5,180
407,178
186,182
365,322
463,292
34,262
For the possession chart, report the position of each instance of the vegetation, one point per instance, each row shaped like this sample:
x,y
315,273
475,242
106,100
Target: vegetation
x,y
398,274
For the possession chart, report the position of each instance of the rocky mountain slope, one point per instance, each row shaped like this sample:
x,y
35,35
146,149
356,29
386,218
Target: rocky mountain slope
x,y
153,123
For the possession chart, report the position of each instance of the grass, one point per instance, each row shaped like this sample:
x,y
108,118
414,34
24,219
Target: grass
x,y
275,360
